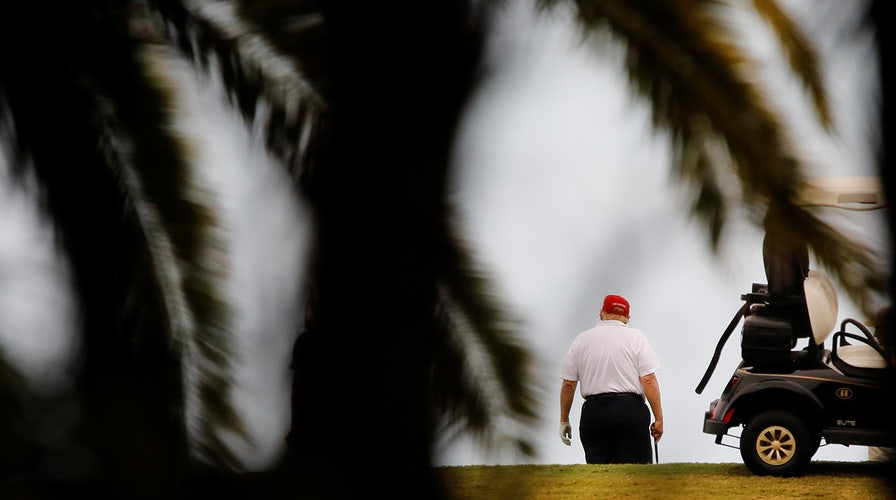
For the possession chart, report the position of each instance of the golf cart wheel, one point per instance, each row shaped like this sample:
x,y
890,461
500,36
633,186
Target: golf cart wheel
x,y
777,443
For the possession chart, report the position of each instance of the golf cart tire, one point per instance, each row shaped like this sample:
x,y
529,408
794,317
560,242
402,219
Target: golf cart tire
x,y
777,443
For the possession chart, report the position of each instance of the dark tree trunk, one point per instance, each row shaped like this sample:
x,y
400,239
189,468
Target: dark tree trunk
x,y
401,72
880,22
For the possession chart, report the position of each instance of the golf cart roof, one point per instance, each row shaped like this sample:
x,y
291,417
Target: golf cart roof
x,y
850,193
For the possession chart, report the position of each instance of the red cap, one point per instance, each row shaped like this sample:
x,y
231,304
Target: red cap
x,y
615,304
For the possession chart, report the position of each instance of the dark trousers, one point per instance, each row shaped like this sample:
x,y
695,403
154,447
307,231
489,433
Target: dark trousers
x,y
615,429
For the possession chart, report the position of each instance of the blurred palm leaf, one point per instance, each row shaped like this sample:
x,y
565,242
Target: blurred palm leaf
x,y
683,61
91,128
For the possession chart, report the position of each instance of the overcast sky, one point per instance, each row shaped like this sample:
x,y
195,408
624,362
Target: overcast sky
x,y
566,196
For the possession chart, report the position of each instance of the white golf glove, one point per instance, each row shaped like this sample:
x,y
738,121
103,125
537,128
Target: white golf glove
x,y
565,433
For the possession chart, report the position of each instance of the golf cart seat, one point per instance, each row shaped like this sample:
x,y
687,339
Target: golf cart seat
x,y
821,304
861,356
774,324
857,355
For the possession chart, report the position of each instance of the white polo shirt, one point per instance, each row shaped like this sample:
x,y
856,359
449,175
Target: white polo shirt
x,y
611,357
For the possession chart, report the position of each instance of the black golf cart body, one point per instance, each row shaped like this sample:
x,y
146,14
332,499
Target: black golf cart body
x,y
786,399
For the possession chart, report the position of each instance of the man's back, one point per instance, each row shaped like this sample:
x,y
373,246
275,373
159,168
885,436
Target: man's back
x,y
611,357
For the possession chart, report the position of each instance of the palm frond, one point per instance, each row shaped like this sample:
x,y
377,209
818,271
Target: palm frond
x,y
800,54
265,84
859,268
296,29
189,257
88,121
698,85
482,378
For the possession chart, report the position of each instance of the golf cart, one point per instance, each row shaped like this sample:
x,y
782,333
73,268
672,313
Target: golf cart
x,y
785,399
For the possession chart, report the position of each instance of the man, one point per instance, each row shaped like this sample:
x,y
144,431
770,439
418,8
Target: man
x,y
617,368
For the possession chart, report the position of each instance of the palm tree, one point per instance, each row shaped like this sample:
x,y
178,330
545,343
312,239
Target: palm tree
x,y
89,128
360,102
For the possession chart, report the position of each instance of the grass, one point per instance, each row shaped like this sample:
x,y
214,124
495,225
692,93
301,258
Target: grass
x,y
843,480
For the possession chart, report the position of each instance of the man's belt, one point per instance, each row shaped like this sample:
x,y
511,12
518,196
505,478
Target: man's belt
x,y
604,395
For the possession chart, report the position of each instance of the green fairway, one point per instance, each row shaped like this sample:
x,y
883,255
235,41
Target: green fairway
x,y
844,480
